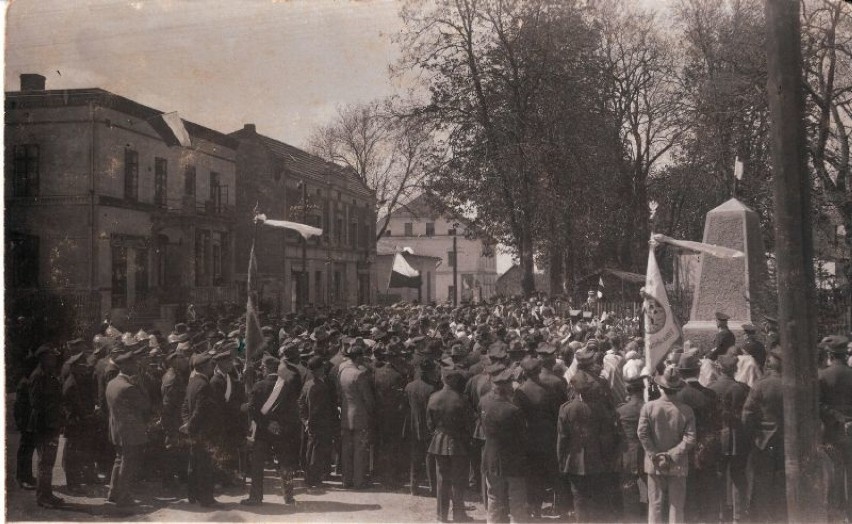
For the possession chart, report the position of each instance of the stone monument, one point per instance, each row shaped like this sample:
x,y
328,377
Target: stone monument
x,y
734,286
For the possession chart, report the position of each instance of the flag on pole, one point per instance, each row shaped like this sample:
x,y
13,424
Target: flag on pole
x,y
738,168
661,329
699,247
303,229
402,274
600,286
254,338
177,128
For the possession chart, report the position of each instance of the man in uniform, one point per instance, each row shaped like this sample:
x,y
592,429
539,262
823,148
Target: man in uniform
x,y
357,409
753,346
317,410
129,412
632,455
835,388
274,410
45,421
173,392
504,453
724,337
763,418
199,424
418,392
228,394
450,420
392,406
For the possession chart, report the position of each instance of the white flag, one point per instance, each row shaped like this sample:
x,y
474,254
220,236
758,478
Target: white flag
x,y
303,229
699,247
738,169
661,329
175,123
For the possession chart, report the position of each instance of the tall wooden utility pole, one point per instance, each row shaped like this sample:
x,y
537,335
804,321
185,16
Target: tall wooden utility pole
x,y
794,256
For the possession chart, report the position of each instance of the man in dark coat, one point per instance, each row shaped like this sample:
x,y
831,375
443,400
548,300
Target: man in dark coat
x,y
724,337
419,437
504,453
78,406
229,394
450,420
129,413
763,417
588,437
632,469
26,444
45,421
476,388
173,392
318,412
753,346
390,380
273,407
105,370
703,486
199,424
835,388
733,439
540,406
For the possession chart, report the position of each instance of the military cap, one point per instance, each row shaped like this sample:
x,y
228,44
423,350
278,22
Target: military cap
x,y
670,379
749,328
497,350
837,344
546,348
722,316
531,365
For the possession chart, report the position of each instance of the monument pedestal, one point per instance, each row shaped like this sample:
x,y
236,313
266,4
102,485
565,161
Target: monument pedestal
x,y
734,286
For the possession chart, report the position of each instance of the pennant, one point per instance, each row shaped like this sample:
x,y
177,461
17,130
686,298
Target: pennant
x,y
254,338
698,247
175,123
303,229
402,274
661,329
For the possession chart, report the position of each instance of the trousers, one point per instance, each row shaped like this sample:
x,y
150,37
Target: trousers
x,y
47,446
417,458
125,468
318,448
666,493
769,485
77,459
200,475
507,497
260,451
451,472
596,497
354,456
26,448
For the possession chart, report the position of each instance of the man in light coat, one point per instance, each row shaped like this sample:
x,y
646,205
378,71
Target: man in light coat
x,y
356,414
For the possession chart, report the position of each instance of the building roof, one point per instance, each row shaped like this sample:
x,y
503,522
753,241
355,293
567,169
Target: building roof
x,y
303,164
423,206
103,98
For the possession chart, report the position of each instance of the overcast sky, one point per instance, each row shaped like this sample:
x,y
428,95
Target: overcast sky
x,y
283,65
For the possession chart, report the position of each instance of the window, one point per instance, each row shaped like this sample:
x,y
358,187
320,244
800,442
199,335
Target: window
x,y
366,241
353,234
131,174
451,293
22,261
160,181
338,230
451,259
202,260
25,170
319,298
214,186
409,229
189,181
430,229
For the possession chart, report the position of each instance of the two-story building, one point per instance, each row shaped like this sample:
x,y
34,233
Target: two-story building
x,y
286,183
115,207
429,232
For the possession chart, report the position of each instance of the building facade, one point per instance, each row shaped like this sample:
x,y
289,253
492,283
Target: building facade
x,y
286,183
428,232
106,209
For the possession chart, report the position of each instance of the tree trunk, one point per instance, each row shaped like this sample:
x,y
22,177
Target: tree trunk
x,y
556,270
525,255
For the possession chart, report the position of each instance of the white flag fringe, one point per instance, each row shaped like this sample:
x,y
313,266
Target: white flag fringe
x,y
662,332
175,123
699,247
303,229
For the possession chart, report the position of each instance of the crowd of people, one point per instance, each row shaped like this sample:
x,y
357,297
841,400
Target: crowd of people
x,y
530,406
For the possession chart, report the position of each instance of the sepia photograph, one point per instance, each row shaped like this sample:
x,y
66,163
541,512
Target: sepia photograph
x,y
496,261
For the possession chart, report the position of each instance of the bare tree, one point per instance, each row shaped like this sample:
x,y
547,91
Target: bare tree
x,y
383,146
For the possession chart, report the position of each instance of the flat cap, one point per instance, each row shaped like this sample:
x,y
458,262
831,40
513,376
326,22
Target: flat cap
x,y
749,328
721,316
835,344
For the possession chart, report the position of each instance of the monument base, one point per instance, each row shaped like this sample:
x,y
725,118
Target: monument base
x,y
702,333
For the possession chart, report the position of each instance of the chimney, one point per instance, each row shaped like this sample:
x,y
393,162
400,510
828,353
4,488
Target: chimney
x,y
32,82
250,128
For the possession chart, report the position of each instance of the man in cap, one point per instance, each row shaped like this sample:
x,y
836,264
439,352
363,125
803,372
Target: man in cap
x,y
753,346
702,485
587,438
78,407
667,432
633,479
129,412
318,412
357,409
45,420
390,381
763,418
504,453
540,406
550,376
835,393
228,394
733,438
173,392
199,424
418,392
450,420
724,337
